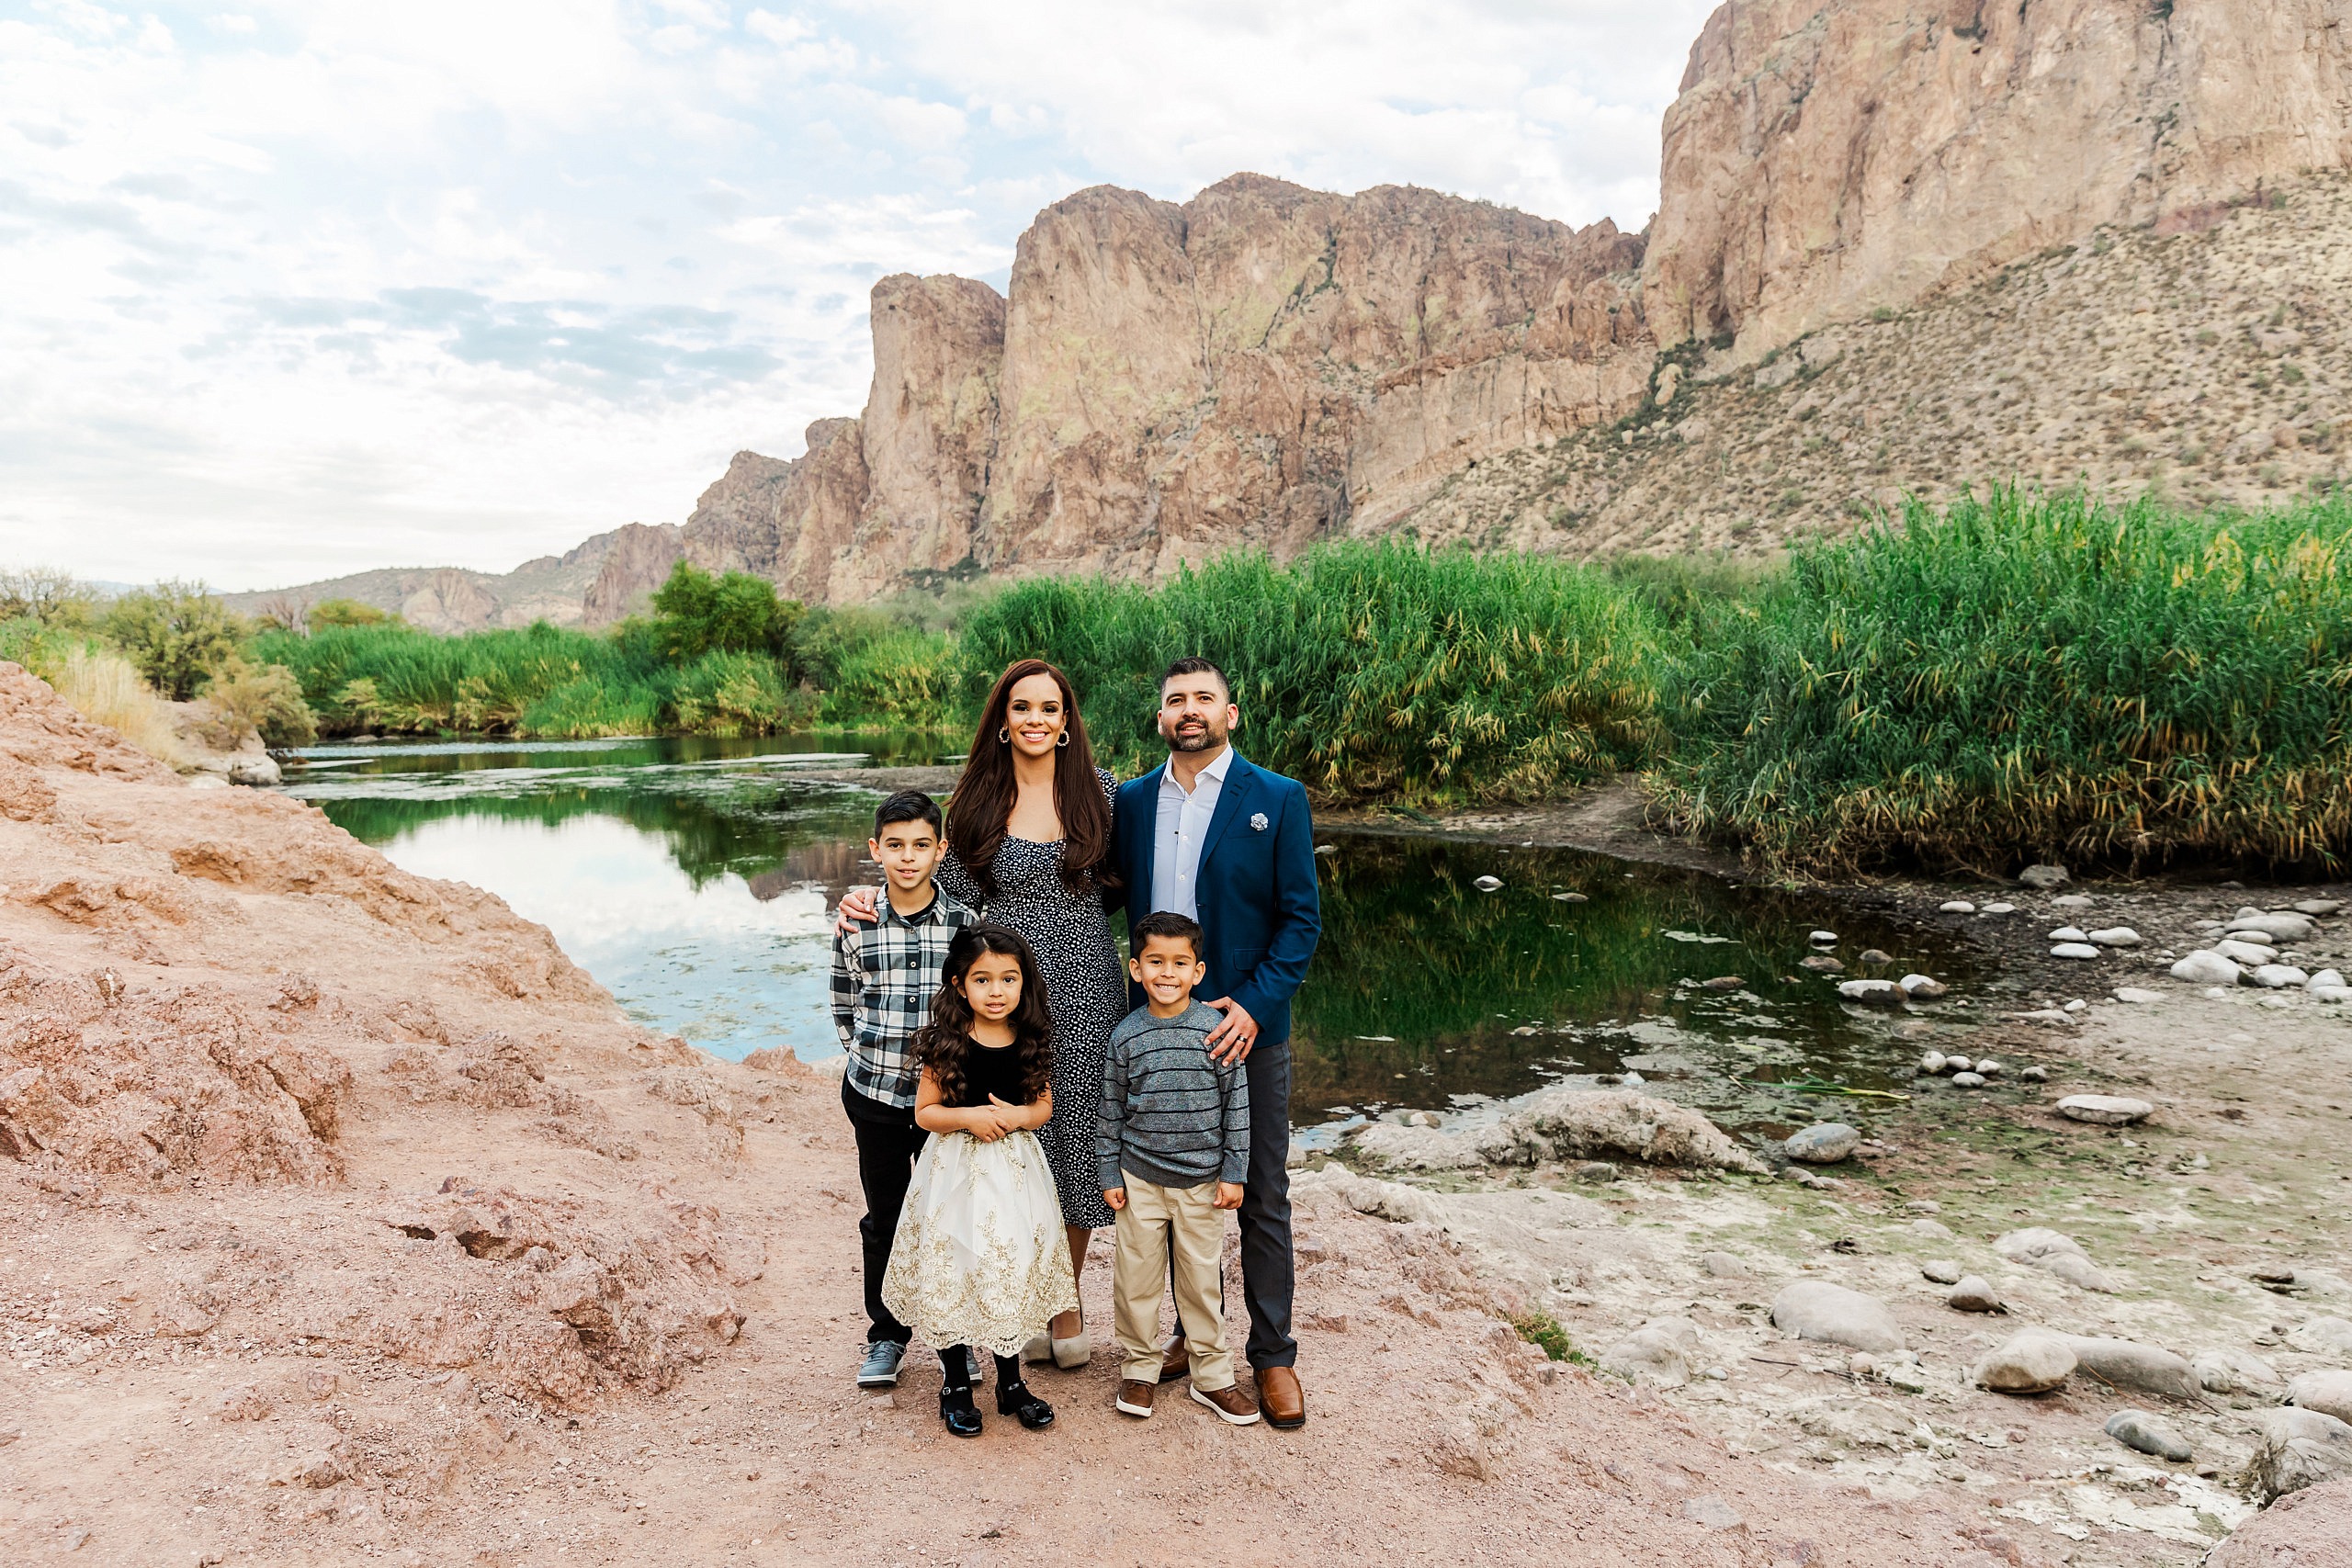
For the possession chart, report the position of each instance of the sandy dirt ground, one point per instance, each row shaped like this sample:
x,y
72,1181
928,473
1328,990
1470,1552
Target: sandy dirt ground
x,y
344,1220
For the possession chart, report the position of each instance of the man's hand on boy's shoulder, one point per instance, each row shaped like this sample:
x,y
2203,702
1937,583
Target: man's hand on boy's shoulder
x,y
1117,1197
1228,1195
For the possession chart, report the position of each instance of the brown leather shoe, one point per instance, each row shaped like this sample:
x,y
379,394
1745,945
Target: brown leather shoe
x,y
1134,1397
1285,1401
1176,1360
1231,1403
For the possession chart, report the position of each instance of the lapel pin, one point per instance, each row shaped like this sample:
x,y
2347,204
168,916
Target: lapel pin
x,y
1258,820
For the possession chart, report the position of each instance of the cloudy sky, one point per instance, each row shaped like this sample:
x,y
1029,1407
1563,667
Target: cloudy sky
x,y
292,290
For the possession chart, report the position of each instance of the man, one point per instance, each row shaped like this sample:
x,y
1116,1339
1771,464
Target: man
x,y
1210,837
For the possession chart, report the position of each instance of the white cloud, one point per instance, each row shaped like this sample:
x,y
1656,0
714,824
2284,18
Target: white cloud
x,y
316,285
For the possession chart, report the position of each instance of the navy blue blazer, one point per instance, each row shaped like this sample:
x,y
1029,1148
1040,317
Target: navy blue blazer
x,y
1256,888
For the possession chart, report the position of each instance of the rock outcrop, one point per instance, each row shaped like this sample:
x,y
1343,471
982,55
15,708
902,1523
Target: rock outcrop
x,y
1824,161
1262,366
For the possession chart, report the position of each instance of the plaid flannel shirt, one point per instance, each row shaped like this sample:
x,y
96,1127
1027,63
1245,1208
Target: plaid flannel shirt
x,y
884,975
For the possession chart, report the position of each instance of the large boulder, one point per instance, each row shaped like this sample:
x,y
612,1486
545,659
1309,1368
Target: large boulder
x,y
2312,1528
2299,1448
1565,1124
1824,1144
1815,1309
2140,1369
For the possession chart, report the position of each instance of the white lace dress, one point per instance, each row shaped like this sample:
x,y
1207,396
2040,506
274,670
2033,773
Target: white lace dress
x,y
980,1257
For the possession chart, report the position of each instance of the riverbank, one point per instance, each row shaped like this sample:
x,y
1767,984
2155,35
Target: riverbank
x,y
349,1220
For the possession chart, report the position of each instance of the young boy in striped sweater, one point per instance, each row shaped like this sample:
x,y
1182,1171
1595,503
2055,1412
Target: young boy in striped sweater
x,y
1173,1138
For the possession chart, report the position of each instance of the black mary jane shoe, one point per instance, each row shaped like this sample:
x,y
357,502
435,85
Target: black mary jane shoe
x,y
1014,1399
955,1408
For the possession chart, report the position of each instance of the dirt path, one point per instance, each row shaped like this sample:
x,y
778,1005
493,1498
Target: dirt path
x,y
346,1221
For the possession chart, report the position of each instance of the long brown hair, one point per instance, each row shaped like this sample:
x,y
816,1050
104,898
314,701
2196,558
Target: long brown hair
x,y
984,796
943,1046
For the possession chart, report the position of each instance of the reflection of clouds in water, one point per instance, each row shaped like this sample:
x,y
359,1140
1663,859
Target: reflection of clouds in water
x,y
600,885
729,970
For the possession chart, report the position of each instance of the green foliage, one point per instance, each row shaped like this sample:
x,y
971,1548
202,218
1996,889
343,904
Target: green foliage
x,y
1687,593
328,612
738,694
2034,677
878,669
264,699
733,613
1543,1330
175,633
51,599
1366,670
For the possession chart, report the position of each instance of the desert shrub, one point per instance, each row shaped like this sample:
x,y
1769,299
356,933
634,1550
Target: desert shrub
x,y
1366,671
262,699
878,669
2030,677
329,613
175,633
589,709
51,598
106,688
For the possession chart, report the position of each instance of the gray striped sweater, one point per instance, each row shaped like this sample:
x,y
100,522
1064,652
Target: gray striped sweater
x,y
1170,1115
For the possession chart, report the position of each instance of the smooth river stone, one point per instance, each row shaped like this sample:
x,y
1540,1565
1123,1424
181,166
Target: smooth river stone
x,y
2329,1391
1942,1271
1925,987
2327,1336
2138,996
1957,906
2278,976
2234,1371
2073,949
2070,933
2105,1109
2116,936
2283,925
2142,1369
2033,1362
1815,1309
2206,967
1826,1143
2148,1433
1877,993
1975,1293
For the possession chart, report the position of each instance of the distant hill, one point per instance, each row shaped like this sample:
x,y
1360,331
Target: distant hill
x,y
451,599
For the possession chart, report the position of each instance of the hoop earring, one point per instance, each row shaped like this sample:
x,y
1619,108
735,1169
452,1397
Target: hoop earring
x,y
1004,737
1063,739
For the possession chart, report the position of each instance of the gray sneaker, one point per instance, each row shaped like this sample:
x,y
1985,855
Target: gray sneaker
x,y
880,1368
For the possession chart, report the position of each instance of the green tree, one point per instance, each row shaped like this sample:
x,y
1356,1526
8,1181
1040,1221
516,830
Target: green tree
x,y
348,613
177,633
732,612
47,595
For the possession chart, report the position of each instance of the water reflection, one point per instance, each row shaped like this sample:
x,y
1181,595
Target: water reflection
x,y
692,878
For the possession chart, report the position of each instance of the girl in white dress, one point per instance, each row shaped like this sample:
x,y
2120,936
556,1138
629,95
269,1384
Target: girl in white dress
x,y
981,1259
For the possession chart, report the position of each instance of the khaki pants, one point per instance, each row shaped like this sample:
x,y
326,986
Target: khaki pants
x,y
1157,1221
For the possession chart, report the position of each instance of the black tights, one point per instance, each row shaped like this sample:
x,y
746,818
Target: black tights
x,y
956,1369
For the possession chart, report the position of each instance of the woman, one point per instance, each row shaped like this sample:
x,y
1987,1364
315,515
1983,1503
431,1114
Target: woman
x,y
1029,845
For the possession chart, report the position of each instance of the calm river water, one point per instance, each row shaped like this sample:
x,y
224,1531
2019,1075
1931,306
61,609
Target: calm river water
x,y
692,876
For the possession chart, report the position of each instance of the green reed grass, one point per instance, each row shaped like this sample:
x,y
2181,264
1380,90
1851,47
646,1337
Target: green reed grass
x,y
1368,672
2030,677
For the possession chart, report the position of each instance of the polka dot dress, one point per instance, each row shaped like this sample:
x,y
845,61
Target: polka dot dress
x,y
1085,987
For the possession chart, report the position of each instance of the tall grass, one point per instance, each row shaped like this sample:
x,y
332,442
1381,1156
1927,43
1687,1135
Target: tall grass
x,y
106,688
2027,677
1366,671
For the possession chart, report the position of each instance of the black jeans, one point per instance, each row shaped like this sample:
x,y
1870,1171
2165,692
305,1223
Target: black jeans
x,y
887,1142
1269,1275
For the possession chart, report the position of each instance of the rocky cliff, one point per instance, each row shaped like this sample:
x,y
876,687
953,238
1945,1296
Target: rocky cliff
x,y
1266,366
1826,161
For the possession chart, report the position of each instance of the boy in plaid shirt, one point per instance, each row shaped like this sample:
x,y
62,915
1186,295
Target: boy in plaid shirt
x,y
884,975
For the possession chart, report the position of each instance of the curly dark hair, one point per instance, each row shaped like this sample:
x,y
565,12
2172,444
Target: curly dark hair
x,y
943,1047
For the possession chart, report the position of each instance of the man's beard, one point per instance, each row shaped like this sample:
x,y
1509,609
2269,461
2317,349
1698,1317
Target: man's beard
x,y
1200,740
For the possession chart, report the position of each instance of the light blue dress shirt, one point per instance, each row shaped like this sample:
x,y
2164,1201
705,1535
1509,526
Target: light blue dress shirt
x,y
1180,833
